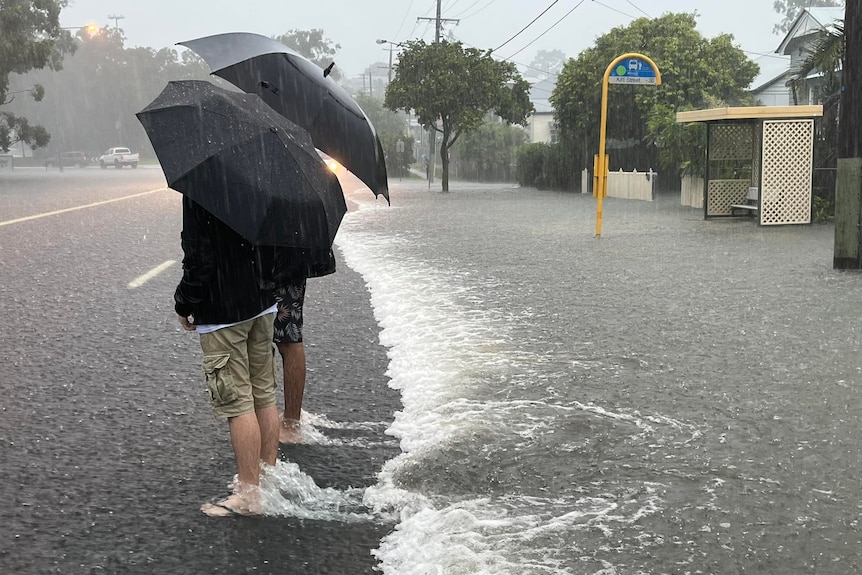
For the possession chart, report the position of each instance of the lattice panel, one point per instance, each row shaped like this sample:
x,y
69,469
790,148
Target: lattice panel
x,y
731,141
721,194
757,158
785,190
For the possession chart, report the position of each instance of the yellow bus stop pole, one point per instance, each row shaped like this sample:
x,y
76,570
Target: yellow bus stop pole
x,y
601,162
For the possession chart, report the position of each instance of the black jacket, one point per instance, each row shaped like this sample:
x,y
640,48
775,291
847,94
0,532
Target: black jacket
x,y
226,279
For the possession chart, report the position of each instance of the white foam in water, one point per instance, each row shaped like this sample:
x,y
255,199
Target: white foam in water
x,y
443,353
287,491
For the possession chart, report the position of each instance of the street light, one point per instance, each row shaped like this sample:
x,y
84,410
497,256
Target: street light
x,y
391,48
116,18
91,29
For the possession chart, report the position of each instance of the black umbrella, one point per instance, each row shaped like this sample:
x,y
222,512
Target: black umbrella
x,y
244,163
304,94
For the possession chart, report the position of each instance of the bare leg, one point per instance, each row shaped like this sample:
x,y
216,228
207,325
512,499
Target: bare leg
x,y
245,436
293,361
268,423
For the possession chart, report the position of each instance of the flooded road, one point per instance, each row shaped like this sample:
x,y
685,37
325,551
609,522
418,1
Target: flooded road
x,y
679,396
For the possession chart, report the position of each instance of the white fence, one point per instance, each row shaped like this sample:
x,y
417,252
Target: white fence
x,y
691,192
632,185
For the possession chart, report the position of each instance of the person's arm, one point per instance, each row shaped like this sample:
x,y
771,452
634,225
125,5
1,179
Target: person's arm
x,y
197,262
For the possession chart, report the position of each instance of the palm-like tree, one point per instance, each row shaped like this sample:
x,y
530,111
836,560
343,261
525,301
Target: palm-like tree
x,y
826,56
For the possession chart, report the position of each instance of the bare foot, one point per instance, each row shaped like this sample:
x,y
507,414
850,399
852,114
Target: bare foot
x,y
246,502
290,431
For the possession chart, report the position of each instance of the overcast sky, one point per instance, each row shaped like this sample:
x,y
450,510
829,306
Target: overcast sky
x,y
356,24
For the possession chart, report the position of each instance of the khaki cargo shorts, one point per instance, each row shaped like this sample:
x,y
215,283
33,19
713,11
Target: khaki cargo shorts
x,y
239,368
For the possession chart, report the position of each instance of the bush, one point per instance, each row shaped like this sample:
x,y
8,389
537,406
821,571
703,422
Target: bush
x,y
545,166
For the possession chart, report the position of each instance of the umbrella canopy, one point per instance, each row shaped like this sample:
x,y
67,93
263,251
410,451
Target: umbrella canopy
x,y
244,163
299,90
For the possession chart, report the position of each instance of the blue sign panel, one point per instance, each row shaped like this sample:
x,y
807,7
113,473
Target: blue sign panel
x,y
633,71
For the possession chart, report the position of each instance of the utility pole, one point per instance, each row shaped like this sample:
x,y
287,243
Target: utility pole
x,y
848,186
432,136
116,18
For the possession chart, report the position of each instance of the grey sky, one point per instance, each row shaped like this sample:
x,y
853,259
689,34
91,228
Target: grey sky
x,y
356,24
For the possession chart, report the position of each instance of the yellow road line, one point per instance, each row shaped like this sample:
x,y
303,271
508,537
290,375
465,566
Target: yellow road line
x,y
46,214
141,280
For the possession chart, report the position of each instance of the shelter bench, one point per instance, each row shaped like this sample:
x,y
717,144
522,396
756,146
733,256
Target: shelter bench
x,y
750,206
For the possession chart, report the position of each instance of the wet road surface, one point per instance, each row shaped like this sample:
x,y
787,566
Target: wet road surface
x,y
106,440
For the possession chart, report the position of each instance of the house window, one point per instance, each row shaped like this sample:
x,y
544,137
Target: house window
x,y
553,131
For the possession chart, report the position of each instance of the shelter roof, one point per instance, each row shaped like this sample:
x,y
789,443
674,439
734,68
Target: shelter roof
x,y
749,113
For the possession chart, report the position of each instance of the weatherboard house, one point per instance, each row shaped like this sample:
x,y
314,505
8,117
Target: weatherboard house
x,y
774,88
541,125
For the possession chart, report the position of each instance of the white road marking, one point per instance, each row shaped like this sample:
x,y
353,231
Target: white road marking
x,y
141,280
46,214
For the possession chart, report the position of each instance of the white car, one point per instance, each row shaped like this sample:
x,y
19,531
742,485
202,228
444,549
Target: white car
x,y
118,157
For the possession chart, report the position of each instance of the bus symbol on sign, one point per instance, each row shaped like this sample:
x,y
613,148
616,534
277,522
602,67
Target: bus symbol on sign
x,y
633,71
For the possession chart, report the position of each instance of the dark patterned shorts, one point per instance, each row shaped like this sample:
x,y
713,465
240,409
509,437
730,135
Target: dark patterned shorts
x,y
287,327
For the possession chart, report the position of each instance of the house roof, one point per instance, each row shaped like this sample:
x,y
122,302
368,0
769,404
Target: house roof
x,y
771,72
749,113
808,21
540,92
780,79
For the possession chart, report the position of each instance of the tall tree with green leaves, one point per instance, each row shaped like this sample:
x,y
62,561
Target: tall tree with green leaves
x,y
695,70
391,128
451,89
313,45
546,63
30,37
790,9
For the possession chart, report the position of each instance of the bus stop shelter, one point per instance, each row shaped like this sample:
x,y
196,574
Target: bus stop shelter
x,y
759,161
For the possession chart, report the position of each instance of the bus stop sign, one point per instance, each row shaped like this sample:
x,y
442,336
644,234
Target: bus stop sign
x,y
633,71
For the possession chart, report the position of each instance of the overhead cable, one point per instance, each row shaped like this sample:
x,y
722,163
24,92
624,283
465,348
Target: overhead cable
x,y
403,20
615,10
638,9
477,11
551,27
527,26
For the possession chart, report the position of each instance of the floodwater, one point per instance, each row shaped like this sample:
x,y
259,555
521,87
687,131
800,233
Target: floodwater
x,y
678,396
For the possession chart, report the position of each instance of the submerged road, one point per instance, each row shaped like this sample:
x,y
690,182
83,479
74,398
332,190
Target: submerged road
x,y
107,444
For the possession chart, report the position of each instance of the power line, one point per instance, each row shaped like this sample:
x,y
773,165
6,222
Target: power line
x,y
467,9
527,26
403,20
638,9
479,10
548,30
501,59
615,10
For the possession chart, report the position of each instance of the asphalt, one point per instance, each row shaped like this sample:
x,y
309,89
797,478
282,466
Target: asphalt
x,y
107,445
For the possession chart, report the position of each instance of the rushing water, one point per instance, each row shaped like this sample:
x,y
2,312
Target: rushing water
x,y
679,396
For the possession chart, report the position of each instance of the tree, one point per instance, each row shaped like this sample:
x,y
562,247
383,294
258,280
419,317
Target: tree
x,y
488,152
790,9
827,57
313,45
546,63
695,70
90,103
391,128
30,37
847,253
452,88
